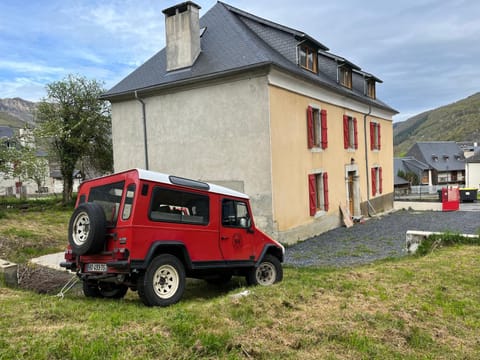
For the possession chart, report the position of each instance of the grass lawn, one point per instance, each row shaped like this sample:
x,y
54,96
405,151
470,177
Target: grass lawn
x,y
414,308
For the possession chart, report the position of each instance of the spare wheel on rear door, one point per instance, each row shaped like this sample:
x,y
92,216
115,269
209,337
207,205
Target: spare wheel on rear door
x,y
86,230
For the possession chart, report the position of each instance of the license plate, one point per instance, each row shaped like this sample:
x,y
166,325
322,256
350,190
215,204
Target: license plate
x,y
96,267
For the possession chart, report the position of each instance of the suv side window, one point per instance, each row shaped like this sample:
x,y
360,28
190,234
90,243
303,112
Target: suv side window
x,y
127,208
108,197
179,206
235,213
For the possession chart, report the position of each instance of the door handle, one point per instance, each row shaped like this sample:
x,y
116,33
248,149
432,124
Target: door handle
x,y
224,237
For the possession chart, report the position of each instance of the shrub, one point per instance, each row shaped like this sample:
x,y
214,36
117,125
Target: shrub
x,y
436,241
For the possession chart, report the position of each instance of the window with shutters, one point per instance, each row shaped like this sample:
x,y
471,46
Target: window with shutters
x,y
307,58
318,192
317,128
377,181
375,136
350,132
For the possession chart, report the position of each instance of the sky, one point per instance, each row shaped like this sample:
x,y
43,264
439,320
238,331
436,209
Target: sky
x,y
427,52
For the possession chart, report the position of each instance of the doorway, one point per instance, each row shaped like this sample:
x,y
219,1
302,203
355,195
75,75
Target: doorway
x,y
352,188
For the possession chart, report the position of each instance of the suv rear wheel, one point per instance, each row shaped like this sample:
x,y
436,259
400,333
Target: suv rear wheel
x,y
163,283
86,229
268,272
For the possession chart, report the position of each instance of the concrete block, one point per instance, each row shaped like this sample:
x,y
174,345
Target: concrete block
x,y
414,238
8,273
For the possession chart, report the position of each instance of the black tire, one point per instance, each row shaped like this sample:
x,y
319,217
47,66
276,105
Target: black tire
x,y
112,291
268,272
163,283
86,229
104,290
91,290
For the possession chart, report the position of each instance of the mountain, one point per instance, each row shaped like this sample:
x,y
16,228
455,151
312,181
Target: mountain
x,y
16,112
459,122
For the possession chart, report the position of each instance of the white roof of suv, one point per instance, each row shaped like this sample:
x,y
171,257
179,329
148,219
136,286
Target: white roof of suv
x,y
175,180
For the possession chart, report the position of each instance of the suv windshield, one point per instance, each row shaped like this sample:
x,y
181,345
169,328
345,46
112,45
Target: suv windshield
x,y
108,197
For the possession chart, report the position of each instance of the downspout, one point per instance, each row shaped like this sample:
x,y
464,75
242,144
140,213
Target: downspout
x,y
366,157
144,117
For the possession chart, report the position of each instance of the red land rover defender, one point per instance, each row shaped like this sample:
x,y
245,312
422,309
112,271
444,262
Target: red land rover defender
x,y
148,231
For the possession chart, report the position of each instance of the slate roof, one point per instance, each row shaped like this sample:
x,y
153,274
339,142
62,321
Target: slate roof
x,y
233,41
439,155
407,164
397,166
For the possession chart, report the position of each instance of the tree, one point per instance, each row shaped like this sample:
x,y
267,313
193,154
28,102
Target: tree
x,y
76,125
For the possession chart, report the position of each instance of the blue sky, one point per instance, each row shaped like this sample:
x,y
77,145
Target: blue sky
x,y
427,52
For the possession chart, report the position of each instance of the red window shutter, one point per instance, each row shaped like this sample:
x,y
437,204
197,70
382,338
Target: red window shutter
x,y
380,179
355,132
324,129
312,194
379,136
325,190
310,127
372,136
345,132
374,182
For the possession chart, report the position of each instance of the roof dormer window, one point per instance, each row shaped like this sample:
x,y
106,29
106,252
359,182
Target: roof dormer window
x,y
370,88
345,75
307,58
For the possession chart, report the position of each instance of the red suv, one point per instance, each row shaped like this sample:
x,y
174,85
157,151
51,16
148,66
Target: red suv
x,y
148,231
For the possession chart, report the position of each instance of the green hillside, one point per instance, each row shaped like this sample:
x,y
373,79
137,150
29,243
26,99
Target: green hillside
x,y
459,121
10,120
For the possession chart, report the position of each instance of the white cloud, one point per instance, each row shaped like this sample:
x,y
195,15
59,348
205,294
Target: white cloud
x,y
29,89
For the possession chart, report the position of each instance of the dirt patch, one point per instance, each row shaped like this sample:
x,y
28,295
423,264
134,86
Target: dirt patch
x,y
41,279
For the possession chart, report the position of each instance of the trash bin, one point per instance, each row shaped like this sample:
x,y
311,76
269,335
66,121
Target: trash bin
x,y
468,195
450,199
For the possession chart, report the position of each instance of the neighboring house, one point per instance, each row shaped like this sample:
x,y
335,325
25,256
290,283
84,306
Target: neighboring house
x,y
444,158
254,105
469,148
409,171
472,171
56,181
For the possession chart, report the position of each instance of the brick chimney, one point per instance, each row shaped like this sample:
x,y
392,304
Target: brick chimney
x,y
182,31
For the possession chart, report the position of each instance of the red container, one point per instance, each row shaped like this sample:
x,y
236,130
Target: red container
x,y
450,199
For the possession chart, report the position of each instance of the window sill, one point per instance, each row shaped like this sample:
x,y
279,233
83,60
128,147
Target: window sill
x,y
316,149
319,213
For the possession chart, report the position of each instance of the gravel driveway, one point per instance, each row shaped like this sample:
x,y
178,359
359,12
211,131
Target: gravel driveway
x,y
377,238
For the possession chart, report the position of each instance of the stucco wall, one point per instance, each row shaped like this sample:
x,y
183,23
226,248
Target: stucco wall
x,y
472,175
292,161
218,132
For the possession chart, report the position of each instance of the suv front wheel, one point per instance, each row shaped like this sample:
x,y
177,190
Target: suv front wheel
x,y
268,272
163,283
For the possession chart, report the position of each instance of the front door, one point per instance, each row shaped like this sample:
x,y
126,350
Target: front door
x,y
236,239
351,198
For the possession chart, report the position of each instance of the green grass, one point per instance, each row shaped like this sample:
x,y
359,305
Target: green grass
x,y
32,228
411,308
414,308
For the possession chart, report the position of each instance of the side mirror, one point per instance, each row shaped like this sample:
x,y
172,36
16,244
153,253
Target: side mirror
x,y
249,226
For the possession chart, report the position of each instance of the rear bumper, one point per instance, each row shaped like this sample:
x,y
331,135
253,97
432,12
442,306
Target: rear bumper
x,y
117,266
